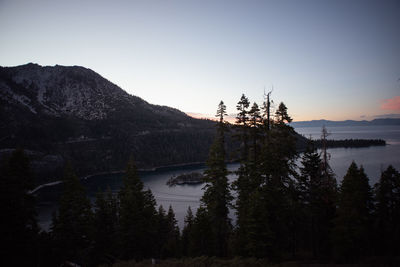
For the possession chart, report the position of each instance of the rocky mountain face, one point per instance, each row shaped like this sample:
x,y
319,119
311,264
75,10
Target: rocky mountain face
x,y
73,114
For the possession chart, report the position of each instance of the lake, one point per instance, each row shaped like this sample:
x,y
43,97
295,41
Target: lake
x,y
373,159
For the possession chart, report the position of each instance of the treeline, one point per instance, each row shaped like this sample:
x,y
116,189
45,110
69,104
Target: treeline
x,y
124,226
350,143
284,211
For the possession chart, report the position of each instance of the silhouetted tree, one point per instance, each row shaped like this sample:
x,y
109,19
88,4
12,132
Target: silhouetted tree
x,y
387,215
19,230
105,227
187,235
217,197
353,222
259,236
317,196
72,225
255,122
277,169
242,183
242,123
171,245
203,241
137,217
162,231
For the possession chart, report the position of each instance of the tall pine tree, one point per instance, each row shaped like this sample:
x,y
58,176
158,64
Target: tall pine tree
x,y
353,222
317,201
217,197
72,226
137,217
242,183
277,191
187,235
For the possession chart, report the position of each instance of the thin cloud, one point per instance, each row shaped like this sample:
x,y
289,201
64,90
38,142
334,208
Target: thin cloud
x,y
391,103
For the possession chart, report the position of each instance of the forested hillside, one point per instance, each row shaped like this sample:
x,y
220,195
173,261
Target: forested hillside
x,y
61,114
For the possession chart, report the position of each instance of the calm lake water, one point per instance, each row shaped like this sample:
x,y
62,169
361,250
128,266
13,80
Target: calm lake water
x,y
373,159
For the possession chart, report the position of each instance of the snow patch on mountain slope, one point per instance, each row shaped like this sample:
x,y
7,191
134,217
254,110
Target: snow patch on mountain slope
x,y
9,95
72,91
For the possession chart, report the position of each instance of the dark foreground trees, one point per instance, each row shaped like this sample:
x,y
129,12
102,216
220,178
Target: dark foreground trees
x,y
316,189
286,209
72,226
217,197
387,213
120,226
353,224
137,217
19,230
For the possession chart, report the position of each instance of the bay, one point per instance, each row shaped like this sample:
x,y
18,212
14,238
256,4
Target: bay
x,y
373,159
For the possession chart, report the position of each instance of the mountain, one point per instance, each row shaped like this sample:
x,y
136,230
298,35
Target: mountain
x,y
327,123
61,114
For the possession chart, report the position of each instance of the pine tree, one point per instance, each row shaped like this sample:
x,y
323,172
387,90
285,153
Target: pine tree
x,y
171,246
203,238
279,150
19,230
259,236
217,197
187,235
105,227
242,183
277,190
318,203
281,114
242,125
255,121
137,217
387,214
72,225
162,231
353,222
248,180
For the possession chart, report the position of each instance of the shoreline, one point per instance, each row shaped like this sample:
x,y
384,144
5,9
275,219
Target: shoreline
x,y
164,167
154,169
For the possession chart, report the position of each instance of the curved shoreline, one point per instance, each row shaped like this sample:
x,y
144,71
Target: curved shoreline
x,y
165,167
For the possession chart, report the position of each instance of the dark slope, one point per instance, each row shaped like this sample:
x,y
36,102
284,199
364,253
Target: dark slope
x,y
75,114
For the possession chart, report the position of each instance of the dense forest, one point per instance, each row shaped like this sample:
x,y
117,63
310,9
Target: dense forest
x,y
284,211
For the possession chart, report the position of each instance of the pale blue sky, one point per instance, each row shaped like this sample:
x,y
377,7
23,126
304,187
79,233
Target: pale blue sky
x,y
326,59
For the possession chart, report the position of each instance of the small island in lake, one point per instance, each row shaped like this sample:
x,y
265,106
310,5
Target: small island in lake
x,y
186,178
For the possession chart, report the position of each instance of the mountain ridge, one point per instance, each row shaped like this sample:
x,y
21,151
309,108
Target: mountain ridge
x,y
73,113
68,90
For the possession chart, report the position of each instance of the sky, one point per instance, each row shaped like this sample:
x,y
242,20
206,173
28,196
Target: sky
x,y
324,59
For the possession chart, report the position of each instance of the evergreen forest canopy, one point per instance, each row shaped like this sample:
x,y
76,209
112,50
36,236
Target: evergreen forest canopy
x,y
284,211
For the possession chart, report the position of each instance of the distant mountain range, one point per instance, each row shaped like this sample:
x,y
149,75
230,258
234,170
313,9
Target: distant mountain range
x,y
327,123
73,114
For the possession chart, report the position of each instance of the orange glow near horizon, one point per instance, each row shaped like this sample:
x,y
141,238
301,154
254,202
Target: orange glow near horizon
x,y
229,118
391,104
